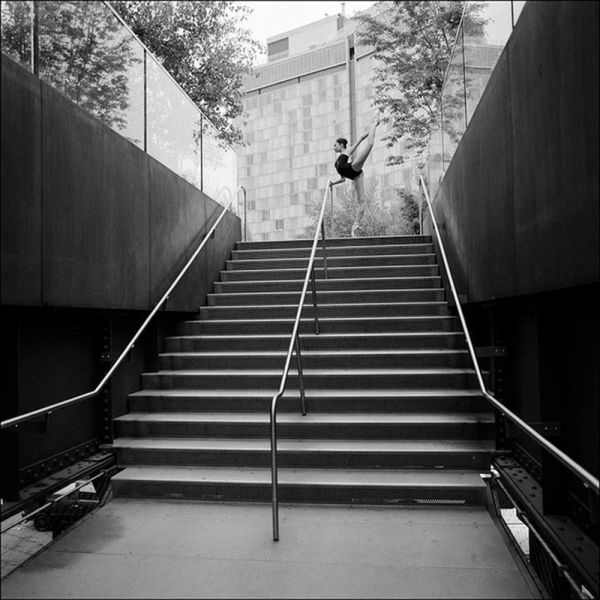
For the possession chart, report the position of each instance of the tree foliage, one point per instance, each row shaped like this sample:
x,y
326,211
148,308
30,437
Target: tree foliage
x,y
82,52
400,217
412,42
206,49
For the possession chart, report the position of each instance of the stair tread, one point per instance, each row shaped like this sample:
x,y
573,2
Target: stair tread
x,y
311,417
328,292
319,256
351,352
308,249
331,268
330,279
311,393
343,240
315,336
330,305
331,372
304,445
324,319
286,475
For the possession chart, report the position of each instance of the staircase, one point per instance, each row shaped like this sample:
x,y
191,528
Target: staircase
x,y
394,412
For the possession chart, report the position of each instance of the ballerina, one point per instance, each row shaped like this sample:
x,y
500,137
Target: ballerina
x,y
352,169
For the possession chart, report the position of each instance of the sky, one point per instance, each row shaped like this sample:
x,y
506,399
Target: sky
x,y
274,17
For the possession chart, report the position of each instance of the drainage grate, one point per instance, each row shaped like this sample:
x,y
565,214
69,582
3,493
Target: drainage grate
x,y
438,501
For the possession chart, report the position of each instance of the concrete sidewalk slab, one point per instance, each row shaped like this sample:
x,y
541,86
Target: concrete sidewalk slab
x,y
173,549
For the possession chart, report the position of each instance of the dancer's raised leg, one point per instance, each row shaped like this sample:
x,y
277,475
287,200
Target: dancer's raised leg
x,y
363,153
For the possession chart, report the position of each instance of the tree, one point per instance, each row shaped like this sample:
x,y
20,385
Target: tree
x,y
412,42
396,219
409,210
204,46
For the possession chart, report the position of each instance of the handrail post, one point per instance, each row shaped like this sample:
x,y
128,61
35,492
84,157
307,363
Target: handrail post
x,y
300,376
314,299
324,249
245,213
274,499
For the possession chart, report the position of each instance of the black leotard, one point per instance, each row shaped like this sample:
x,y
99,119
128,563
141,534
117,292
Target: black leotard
x,y
344,168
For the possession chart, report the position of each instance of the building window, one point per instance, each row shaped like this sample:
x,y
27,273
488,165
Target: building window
x,y
306,112
252,205
306,100
279,224
313,183
265,215
278,46
294,199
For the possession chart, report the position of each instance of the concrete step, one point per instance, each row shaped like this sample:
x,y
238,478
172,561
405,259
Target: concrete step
x,y
327,297
333,262
292,285
332,251
305,453
313,425
372,324
318,400
382,240
314,359
282,311
355,486
332,272
323,341
433,378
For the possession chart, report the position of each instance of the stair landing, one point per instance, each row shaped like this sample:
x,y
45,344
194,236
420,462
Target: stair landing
x,y
168,549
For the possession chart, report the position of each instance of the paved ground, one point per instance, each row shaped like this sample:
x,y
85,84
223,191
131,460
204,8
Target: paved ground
x,y
172,549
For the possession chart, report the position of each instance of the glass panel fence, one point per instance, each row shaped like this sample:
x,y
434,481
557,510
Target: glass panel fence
x,y
87,52
219,172
517,8
486,29
453,103
483,33
434,168
173,127
16,31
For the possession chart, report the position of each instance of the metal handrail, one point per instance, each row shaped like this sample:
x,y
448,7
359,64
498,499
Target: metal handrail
x,y
589,481
295,343
15,421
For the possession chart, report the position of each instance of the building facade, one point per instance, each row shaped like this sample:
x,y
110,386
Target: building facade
x,y
315,87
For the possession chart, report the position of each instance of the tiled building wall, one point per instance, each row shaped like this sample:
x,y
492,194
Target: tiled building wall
x,y
291,133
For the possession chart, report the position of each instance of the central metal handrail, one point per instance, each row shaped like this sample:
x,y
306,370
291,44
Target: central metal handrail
x,y
295,343
589,481
47,410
